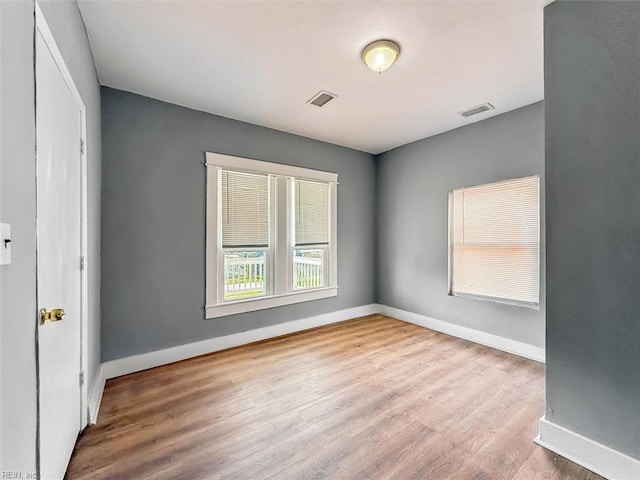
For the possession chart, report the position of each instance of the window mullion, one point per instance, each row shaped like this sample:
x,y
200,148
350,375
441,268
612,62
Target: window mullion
x,y
280,240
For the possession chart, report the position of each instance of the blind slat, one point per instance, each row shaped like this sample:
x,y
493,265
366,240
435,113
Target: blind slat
x,y
311,211
496,240
245,209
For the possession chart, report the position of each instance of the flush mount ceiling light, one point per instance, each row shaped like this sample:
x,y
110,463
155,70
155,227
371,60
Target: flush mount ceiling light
x,y
380,55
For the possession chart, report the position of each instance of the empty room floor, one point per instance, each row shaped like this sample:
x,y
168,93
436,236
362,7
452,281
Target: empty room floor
x,y
369,398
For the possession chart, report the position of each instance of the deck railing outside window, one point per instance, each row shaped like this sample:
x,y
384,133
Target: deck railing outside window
x,y
307,272
244,276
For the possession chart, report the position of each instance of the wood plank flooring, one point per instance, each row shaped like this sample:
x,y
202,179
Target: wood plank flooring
x,y
371,398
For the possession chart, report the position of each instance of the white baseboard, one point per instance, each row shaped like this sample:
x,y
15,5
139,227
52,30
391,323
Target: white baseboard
x,y
588,453
501,343
136,363
95,395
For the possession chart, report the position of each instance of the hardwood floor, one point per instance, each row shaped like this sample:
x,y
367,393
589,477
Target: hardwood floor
x,y
372,398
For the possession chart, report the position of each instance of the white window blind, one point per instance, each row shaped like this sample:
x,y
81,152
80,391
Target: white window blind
x,y
495,241
245,209
311,213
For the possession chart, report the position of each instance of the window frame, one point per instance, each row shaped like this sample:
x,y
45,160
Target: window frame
x,y
505,301
280,289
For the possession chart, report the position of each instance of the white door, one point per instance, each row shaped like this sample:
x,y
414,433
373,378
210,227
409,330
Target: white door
x,y
59,211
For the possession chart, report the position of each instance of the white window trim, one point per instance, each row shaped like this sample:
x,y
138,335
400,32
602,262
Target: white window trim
x,y
504,301
280,277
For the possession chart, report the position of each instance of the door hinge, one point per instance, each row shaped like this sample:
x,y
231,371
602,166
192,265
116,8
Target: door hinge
x,y
82,263
81,146
82,378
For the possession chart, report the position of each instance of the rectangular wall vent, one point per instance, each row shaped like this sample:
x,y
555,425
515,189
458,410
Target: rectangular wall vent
x,y
477,109
321,98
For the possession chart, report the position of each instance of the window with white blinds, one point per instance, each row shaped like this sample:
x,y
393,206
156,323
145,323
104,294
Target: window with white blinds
x,y
245,209
495,241
271,235
311,205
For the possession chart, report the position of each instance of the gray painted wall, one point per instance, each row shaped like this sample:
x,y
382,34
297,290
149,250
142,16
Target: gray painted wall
x,y
413,182
65,22
18,202
153,221
592,84
18,191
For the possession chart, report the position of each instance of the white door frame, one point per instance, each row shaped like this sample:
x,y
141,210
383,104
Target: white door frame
x,y
47,35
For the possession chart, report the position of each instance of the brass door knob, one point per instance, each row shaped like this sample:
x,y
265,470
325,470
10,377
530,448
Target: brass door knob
x,y
54,315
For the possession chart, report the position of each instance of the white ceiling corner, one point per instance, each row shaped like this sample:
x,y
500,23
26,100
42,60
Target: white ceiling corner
x,y
260,61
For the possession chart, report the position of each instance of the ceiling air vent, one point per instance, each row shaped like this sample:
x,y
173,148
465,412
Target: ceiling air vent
x,y
477,109
321,98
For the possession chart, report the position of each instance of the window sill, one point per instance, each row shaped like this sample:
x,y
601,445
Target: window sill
x,y
254,304
504,301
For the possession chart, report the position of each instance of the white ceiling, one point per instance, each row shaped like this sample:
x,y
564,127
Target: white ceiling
x,y
260,61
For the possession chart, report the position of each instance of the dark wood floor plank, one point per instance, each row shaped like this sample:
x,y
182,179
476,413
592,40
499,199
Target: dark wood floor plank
x,y
371,398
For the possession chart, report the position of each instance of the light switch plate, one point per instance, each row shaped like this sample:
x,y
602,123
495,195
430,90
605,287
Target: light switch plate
x,y
5,244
